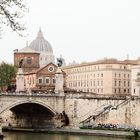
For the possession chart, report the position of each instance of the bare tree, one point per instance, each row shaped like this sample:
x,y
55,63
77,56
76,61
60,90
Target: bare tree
x,y
11,12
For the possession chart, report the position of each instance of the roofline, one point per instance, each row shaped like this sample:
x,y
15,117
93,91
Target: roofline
x,y
124,62
27,52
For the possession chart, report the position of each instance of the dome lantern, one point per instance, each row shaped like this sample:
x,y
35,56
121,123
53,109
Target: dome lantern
x,y
40,34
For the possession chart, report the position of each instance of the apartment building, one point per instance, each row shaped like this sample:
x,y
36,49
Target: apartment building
x,y
107,76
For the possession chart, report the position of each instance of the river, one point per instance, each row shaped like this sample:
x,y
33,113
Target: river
x,y
44,136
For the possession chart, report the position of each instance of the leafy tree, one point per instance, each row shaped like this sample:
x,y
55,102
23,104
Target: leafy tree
x,y
7,73
10,13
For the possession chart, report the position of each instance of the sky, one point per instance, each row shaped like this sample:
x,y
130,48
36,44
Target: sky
x,y
80,30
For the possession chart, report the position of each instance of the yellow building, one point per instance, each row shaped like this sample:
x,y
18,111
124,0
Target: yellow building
x,y
107,76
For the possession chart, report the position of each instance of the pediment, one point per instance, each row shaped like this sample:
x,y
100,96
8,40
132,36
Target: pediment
x,y
48,69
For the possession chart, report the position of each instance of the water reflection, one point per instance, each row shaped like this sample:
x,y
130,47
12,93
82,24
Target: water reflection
x,y
44,136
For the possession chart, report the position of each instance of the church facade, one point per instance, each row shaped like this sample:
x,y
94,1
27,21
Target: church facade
x,y
41,80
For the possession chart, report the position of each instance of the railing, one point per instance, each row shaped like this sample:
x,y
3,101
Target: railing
x,y
105,109
28,94
122,103
97,113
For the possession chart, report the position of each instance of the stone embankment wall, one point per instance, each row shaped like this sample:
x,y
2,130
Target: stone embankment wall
x,y
105,110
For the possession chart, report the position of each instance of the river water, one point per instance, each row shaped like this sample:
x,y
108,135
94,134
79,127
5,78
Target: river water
x,y
44,136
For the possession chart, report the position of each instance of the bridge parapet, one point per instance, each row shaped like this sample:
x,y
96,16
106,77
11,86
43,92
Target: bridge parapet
x,y
54,102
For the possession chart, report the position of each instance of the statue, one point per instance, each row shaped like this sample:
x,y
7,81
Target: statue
x,y
21,63
59,62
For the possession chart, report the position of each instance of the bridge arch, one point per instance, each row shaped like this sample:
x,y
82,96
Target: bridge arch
x,y
28,101
30,114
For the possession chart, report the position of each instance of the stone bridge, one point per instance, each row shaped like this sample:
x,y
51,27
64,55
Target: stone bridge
x,y
46,110
28,110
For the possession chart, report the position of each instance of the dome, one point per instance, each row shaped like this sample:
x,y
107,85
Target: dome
x,y
40,44
27,50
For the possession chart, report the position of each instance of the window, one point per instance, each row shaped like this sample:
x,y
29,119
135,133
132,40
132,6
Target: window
x,y
94,83
50,69
124,83
40,81
90,83
102,90
134,90
47,80
29,60
115,83
119,90
87,83
98,83
128,83
53,80
128,75
101,83
119,83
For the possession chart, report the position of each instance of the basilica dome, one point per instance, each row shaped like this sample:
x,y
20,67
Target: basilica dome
x,y
40,44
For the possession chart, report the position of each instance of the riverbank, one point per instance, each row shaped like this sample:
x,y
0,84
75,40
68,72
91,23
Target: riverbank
x,y
107,133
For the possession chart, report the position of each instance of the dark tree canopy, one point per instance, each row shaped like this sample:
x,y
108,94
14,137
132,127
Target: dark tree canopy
x,y
11,12
7,73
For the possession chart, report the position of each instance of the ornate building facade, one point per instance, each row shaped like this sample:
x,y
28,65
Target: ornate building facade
x,y
42,79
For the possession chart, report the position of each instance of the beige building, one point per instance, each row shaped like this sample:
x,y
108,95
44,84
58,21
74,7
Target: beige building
x,y
107,76
135,79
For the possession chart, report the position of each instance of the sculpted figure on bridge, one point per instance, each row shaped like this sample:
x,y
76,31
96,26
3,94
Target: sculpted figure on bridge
x,y
21,63
59,62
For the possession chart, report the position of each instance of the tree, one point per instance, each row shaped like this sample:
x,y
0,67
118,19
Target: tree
x,y
10,13
7,73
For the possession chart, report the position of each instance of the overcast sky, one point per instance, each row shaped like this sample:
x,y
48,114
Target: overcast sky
x,y
81,30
